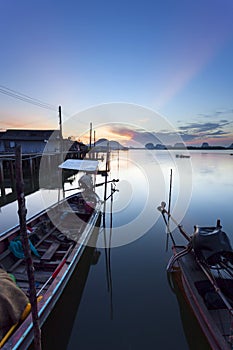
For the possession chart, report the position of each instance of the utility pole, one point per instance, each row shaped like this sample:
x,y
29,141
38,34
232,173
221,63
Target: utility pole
x,y
60,128
60,158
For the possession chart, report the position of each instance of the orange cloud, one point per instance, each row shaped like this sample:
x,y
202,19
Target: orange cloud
x,y
109,132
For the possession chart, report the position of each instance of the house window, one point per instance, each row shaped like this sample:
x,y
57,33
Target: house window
x,y
12,144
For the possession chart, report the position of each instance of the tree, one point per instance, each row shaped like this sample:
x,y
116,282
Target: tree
x,y
150,145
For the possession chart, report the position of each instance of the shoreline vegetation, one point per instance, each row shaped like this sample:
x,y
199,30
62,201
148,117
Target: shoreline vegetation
x,y
182,146
192,148
103,144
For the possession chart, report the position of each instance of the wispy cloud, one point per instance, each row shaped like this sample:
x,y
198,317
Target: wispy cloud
x,y
221,112
190,133
209,132
140,136
204,127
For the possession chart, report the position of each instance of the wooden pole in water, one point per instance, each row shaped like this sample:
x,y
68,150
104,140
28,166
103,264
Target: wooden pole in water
x,y
2,186
90,141
22,211
95,154
170,193
90,135
106,173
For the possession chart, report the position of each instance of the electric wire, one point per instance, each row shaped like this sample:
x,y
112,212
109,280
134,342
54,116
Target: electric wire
x,y
25,98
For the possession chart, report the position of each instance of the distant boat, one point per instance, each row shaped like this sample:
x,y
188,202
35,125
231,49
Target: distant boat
x,y
182,156
204,271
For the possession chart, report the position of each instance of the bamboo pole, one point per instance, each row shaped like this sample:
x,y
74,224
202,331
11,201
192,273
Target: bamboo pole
x,y
106,174
169,211
22,211
90,136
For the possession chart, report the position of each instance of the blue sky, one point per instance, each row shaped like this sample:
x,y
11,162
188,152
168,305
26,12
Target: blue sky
x,y
171,56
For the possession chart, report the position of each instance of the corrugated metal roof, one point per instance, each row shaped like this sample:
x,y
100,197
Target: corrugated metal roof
x,y
34,135
80,164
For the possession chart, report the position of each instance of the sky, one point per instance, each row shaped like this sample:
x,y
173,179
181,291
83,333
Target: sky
x,y
169,59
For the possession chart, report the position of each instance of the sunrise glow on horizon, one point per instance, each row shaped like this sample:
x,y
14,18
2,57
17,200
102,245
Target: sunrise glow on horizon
x,y
170,58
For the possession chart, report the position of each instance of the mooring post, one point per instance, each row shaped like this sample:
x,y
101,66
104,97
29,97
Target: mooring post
x,y
12,178
107,169
90,136
22,211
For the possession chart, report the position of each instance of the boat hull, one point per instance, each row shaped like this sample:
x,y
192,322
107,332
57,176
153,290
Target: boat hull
x,y
190,276
23,336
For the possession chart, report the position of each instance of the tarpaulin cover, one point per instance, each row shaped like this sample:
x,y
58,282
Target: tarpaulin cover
x,y
12,301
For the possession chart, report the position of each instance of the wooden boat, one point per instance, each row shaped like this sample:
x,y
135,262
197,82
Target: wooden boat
x,y
182,156
58,238
203,269
68,304
194,336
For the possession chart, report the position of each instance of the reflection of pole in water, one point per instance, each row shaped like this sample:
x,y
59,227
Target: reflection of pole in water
x,y
105,250
7,178
109,255
169,210
108,251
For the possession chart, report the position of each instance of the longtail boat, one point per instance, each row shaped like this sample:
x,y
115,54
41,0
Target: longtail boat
x,y
57,238
67,306
203,269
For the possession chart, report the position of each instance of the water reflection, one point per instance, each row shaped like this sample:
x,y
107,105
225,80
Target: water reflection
x,y
146,315
107,227
141,312
34,196
56,331
195,337
9,194
143,178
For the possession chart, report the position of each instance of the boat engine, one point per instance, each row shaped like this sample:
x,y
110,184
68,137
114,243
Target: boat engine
x,y
212,245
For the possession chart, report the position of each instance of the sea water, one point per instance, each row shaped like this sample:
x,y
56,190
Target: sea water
x,y
126,301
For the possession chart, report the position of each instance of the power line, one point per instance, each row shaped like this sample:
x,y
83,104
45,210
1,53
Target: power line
x,y
18,95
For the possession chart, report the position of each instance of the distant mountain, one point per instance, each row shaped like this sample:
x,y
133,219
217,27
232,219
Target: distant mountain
x,y
104,143
181,145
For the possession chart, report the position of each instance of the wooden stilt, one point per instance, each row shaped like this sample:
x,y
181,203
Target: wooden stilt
x,y
31,167
12,178
3,193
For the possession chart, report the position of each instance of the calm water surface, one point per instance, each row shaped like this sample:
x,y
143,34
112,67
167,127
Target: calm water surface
x,y
124,300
